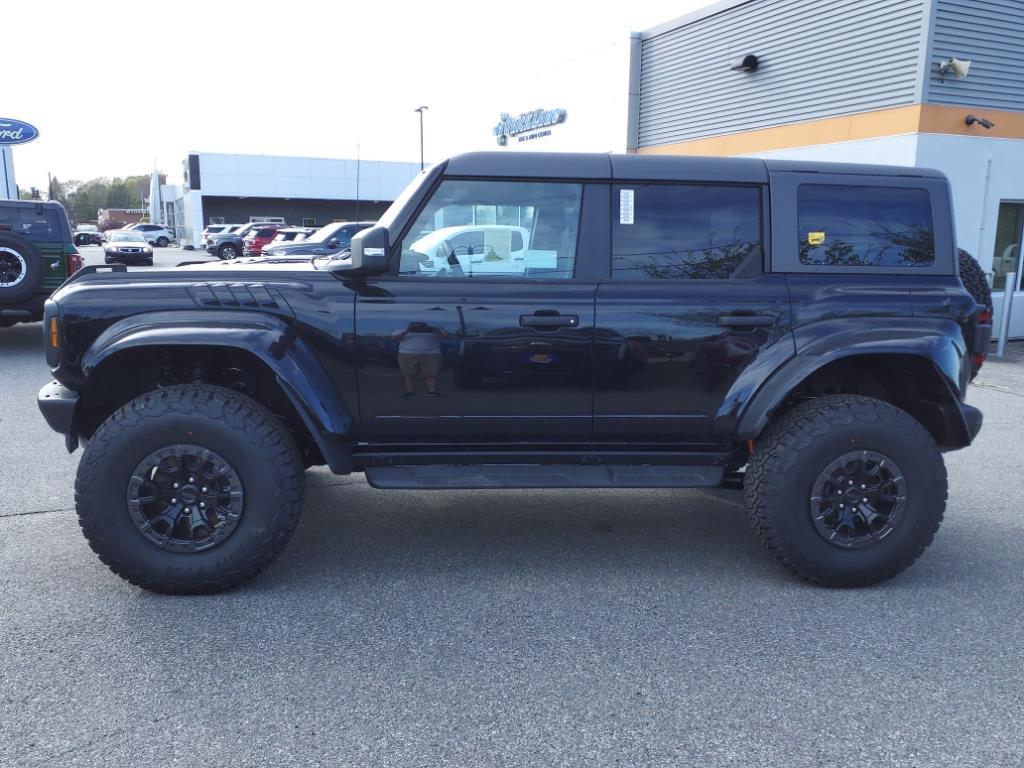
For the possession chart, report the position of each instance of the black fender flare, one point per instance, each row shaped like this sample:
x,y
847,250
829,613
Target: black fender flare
x,y
271,339
939,341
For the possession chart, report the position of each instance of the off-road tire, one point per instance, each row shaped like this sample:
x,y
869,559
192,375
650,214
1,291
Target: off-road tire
x,y
222,251
973,278
17,251
791,453
240,430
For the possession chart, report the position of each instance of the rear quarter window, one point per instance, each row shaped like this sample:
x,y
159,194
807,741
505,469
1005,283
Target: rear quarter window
x,y
865,226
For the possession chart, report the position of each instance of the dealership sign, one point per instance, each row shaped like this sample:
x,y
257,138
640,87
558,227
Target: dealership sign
x,y
16,132
526,122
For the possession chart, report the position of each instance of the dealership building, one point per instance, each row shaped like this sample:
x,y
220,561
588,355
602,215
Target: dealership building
x,y
233,189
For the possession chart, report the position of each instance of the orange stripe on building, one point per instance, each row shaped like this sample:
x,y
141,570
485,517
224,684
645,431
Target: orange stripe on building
x,y
916,118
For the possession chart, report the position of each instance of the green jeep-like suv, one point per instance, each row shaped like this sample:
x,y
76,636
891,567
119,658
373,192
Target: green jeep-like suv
x,y
37,255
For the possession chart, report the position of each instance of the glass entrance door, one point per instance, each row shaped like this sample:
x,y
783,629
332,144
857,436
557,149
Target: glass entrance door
x,y
1006,258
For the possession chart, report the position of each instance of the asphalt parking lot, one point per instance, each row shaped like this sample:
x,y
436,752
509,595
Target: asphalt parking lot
x,y
517,628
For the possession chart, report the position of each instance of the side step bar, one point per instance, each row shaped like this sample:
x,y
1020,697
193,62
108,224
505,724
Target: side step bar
x,y
453,476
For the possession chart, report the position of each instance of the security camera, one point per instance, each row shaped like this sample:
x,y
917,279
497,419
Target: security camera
x,y
748,63
959,67
971,120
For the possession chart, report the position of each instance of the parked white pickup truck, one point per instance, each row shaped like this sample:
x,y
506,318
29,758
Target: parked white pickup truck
x,y
481,249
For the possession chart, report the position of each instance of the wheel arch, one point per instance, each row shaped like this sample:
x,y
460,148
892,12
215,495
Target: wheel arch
x,y
258,354
910,379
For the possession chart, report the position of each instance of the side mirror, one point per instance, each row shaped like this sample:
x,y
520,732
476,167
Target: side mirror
x,y
370,253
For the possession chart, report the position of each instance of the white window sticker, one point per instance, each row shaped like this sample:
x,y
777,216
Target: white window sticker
x,y
625,206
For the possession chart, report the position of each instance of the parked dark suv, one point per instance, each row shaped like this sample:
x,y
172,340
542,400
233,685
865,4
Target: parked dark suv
x,y
797,331
37,254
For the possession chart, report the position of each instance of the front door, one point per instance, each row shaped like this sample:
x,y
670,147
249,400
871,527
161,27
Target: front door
x,y
686,311
482,334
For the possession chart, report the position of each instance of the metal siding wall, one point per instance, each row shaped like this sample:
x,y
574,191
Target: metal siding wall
x,y
991,34
819,58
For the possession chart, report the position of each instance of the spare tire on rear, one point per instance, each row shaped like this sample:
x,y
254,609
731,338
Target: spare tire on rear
x,y
973,278
21,268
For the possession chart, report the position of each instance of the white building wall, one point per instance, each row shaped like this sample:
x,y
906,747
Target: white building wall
x,y
302,177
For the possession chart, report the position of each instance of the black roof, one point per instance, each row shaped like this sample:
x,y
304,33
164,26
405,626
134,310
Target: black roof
x,y
653,167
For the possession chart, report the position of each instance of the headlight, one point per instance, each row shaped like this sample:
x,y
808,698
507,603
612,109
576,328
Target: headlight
x,y
110,249
147,249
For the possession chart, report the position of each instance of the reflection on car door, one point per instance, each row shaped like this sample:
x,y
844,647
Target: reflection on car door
x,y
458,351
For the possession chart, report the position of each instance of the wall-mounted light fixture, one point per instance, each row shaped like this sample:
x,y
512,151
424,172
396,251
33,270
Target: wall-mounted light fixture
x,y
747,64
986,124
959,68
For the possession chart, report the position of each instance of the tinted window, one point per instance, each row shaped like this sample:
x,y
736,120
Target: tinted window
x,y
495,229
37,224
269,232
856,226
676,231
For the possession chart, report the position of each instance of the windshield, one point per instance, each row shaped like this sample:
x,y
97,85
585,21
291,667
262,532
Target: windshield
x,y
127,236
325,233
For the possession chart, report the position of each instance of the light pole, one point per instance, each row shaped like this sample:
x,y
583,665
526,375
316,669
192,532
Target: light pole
x,y
421,111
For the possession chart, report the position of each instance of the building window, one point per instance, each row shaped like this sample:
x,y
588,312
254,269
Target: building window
x,y
685,232
217,220
1009,234
860,226
309,222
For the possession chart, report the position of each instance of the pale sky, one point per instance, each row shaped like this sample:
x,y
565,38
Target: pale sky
x,y
114,87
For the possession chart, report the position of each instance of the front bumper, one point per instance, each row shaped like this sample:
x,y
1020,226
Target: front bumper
x,y
57,404
127,258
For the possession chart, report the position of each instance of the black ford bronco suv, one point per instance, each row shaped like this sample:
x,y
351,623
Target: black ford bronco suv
x,y
798,331
37,254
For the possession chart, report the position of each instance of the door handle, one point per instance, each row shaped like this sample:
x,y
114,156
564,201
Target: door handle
x,y
546,320
746,321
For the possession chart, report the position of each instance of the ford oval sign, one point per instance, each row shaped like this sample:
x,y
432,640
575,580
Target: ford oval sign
x,y
16,132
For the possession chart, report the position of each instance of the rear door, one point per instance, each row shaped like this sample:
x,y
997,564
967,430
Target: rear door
x,y
483,333
689,312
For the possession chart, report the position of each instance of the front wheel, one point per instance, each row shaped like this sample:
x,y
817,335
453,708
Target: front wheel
x,y
846,490
162,242
228,251
189,489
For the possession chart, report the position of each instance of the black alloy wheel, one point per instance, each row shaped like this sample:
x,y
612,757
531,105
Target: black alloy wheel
x,y
858,499
12,268
185,498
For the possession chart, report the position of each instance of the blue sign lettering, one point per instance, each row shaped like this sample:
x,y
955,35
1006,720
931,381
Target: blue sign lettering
x,y
527,121
16,132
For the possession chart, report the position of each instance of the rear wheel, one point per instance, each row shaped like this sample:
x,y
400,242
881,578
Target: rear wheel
x,y
189,489
845,490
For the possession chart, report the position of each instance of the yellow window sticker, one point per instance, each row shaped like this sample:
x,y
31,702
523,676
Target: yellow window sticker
x,y
815,238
